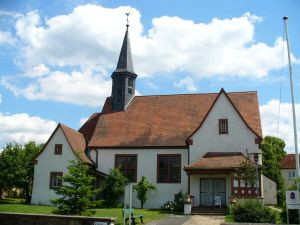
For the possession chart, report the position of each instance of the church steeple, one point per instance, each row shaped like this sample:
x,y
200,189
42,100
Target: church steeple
x,y
125,58
123,85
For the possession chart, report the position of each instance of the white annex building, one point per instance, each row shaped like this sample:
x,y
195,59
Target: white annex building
x,y
188,142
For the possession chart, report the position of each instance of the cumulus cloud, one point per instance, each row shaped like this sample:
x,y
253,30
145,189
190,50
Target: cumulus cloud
x,y
187,83
83,120
6,38
23,128
85,40
152,85
269,117
37,71
81,88
219,48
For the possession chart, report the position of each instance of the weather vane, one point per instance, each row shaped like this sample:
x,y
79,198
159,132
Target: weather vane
x,y
127,14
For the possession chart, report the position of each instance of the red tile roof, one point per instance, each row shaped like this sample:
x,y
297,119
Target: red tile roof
x,y
220,160
77,142
163,120
288,162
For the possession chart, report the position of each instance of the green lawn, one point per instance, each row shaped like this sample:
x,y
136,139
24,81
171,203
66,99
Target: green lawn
x,y
18,206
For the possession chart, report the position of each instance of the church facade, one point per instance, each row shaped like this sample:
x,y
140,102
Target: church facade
x,y
192,143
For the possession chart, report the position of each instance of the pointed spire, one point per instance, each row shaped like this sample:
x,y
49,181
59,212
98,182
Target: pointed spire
x,y
125,59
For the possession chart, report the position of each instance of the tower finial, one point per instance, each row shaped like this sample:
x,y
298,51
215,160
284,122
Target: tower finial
x,y
127,14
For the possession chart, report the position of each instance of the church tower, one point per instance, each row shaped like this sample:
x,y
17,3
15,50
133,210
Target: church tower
x,y
123,78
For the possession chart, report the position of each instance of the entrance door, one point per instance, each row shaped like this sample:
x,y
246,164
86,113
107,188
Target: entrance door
x,y
210,188
206,192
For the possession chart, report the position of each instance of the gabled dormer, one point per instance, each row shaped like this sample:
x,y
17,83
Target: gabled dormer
x,y
123,78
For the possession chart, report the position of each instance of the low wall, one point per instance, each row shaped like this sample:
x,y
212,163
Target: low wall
x,y
236,223
38,219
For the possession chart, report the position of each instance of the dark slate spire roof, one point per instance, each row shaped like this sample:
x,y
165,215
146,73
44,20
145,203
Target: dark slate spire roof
x,y
125,59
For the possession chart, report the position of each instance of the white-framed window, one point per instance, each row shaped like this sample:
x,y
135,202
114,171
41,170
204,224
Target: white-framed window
x,y
292,174
55,180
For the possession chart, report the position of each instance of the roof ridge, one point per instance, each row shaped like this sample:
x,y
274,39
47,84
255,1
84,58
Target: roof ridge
x,y
210,93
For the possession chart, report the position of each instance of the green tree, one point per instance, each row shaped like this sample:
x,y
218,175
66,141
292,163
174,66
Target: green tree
x,y
247,172
16,166
143,188
273,152
78,194
114,185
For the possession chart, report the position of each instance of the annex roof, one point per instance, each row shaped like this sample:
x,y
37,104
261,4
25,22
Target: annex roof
x,y
163,120
218,160
288,162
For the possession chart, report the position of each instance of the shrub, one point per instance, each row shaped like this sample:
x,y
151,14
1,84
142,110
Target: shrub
x,y
114,185
176,205
252,211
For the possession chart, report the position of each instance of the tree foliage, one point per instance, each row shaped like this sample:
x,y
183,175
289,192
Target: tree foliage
x,y
114,185
143,189
16,166
78,194
247,172
273,152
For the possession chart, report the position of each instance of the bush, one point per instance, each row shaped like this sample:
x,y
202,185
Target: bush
x,y
176,205
114,185
252,211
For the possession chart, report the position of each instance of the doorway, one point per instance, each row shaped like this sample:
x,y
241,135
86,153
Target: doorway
x,y
211,187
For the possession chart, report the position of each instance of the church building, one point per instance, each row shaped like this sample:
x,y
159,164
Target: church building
x,y
192,143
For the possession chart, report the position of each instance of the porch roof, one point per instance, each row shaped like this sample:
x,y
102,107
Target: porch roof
x,y
218,161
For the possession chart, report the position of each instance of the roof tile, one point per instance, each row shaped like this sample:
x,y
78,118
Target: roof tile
x,y
163,120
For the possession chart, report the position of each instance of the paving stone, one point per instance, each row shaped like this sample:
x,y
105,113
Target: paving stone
x,y
189,220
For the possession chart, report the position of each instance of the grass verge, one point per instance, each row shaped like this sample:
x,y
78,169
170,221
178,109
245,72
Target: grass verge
x,y
18,206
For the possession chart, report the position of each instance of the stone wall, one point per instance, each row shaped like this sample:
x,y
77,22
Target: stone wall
x,y
37,219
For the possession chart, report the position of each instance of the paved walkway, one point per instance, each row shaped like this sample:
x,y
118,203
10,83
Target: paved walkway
x,y
189,220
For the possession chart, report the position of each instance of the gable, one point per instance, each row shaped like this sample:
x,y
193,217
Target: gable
x,y
47,154
229,104
208,139
71,138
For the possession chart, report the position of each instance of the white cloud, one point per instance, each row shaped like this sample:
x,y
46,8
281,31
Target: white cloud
x,y
37,71
269,117
152,85
83,41
83,120
6,38
187,83
219,48
82,88
23,128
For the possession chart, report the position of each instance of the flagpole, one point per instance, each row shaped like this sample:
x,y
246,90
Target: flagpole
x,y
293,105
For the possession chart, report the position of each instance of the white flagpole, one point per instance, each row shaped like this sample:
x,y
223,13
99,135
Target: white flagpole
x,y
293,105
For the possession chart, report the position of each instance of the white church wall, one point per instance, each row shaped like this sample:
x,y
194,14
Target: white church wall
x,y
48,162
147,166
208,139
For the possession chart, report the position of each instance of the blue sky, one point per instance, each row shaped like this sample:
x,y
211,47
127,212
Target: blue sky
x,y
56,57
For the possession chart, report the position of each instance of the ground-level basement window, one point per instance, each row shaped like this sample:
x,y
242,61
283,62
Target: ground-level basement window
x,y
169,168
128,165
55,180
